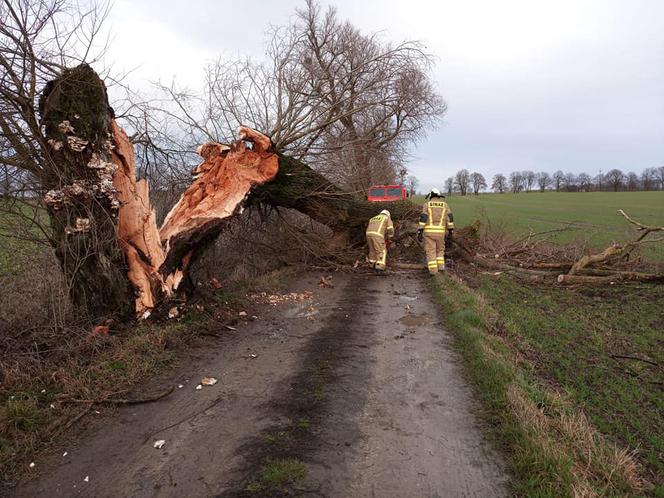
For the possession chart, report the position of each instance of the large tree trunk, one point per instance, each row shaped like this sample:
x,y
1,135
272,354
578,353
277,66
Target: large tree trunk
x,y
81,197
105,234
297,186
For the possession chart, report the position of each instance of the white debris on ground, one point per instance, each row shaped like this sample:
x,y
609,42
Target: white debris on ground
x,y
199,387
159,443
209,381
275,299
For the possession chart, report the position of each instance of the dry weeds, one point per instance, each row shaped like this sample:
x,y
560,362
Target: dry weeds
x,y
562,431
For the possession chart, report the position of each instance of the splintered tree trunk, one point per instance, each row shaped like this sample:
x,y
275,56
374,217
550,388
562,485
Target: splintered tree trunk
x,y
105,234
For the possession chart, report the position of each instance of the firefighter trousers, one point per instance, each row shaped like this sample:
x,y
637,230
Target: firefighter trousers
x,y
434,248
377,251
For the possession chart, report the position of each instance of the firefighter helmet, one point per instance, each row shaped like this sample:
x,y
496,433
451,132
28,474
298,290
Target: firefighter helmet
x,y
385,212
434,192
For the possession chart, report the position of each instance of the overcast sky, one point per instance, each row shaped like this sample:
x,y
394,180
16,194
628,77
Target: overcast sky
x,y
576,85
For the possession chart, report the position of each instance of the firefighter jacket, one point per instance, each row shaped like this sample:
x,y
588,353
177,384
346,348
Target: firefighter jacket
x,y
381,225
436,217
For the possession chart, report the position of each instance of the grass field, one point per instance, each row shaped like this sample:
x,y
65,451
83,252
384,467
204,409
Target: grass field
x,y
20,239
593,215
565,375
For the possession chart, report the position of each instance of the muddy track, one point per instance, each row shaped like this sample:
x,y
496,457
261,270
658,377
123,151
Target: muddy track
x,y
307,398
357,390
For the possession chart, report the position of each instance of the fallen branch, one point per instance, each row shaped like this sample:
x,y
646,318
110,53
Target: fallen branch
x,y
615,251
121,401
409,266
641,226
627,357
525,241
548,266
521,273
184,419
62,427
610,279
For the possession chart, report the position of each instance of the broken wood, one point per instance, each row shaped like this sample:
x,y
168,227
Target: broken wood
x,y
104,228
615,251
523,273
121,401
221,185
408,266
610,279
138,235
326,281
637,358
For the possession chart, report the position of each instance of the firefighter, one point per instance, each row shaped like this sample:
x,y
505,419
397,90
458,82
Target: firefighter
x,y
436,223
379,230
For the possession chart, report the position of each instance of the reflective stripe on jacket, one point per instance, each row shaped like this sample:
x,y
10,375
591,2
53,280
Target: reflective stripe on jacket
x,y
436,217
381,225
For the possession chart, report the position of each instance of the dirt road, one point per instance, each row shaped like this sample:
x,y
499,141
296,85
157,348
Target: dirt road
x,y
354,393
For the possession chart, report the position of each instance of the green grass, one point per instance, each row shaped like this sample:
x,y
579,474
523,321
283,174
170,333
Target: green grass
x,y
572,340
19,415
278,474
540,360
21,240
593,214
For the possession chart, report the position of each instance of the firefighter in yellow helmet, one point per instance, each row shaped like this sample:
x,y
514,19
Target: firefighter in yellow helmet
x,y
380,228
436,220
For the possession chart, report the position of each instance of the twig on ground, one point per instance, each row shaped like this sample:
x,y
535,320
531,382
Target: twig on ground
x,y
628,357
184,419
62,427
121,401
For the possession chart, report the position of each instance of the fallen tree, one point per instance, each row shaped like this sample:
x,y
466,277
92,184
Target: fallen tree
x,y
114,256
525,260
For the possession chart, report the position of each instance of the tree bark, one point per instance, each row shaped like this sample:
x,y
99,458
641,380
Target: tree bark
x,y
80,195
621,276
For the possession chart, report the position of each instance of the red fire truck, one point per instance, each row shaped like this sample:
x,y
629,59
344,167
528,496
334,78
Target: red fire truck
x,y
387,193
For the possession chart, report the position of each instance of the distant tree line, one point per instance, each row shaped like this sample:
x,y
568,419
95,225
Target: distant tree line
x,y
614,180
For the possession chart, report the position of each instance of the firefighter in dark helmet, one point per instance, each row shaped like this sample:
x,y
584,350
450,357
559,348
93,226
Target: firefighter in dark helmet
x,y
436,221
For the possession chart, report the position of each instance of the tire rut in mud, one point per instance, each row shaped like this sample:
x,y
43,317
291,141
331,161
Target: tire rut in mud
x,y
276,459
